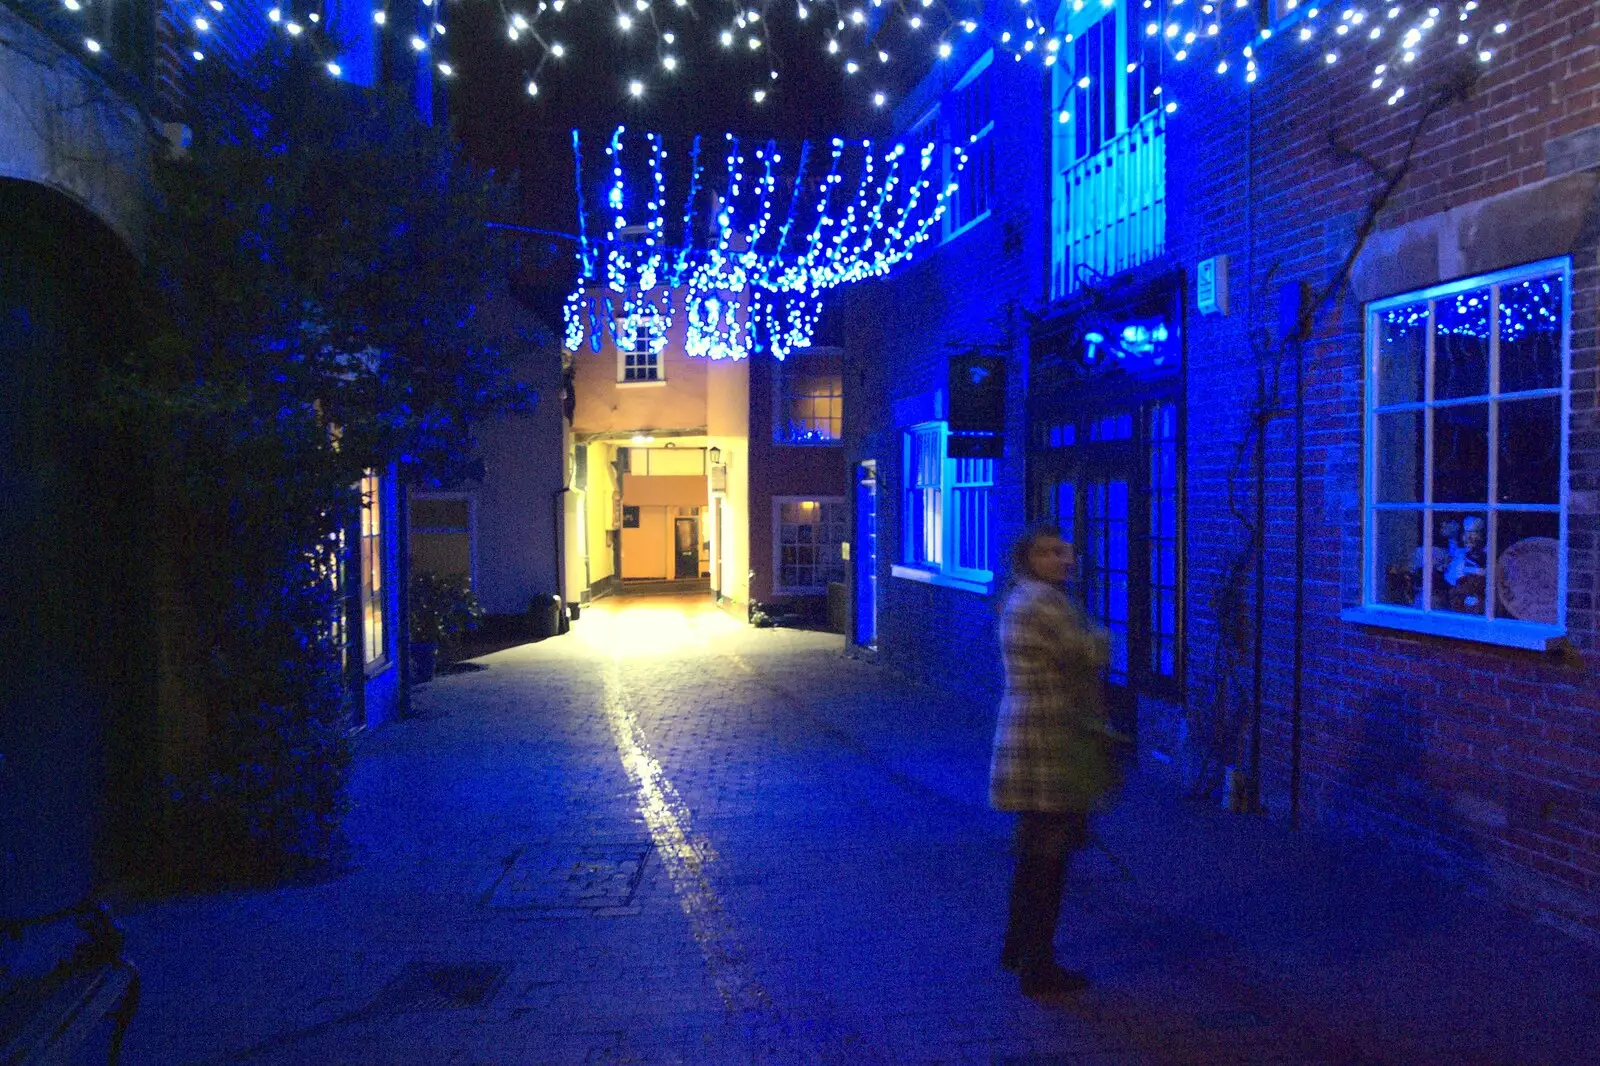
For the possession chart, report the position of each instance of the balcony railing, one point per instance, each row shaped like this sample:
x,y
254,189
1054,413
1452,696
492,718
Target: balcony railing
x,y
1110,209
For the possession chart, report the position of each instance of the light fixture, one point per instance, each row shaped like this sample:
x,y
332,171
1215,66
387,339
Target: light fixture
x,y
715,455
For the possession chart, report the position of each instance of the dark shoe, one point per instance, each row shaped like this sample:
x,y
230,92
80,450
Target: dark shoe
x,y
1052,980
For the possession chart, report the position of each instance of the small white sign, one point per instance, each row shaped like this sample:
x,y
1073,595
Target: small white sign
x,y
1211,285
844,550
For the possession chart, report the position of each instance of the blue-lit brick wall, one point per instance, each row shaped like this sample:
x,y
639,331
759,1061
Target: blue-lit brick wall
x,y
898,335
1488,758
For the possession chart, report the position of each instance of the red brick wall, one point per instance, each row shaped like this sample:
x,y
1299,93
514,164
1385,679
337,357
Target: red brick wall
x,y
1488,757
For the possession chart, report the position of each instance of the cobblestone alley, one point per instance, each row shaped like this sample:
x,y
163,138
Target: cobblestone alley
x,y
666,838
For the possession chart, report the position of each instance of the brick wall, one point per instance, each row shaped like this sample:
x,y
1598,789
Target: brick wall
x,y
1487,757
898,335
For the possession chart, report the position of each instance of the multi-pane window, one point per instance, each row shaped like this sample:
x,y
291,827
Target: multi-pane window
x,y
947,507
809,398
970,116
807,534
1467,451
1163,578
372,586
642,365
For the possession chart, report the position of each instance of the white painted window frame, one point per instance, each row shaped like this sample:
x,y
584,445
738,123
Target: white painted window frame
x,y
944,571
1502,631
947,148
778,588
622,366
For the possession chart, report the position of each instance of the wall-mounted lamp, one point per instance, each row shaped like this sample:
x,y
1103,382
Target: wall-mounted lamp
x,y
715,455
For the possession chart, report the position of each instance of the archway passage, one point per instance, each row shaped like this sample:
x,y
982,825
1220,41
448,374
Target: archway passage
x,y
76,634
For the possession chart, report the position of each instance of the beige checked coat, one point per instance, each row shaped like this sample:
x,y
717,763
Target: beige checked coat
x,y
1053,748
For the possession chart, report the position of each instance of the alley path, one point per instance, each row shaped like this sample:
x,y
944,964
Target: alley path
x,y
668,838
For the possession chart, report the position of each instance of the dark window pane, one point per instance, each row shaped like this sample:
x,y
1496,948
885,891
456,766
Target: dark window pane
x,y
1461,345
1398,477
1459,562
1527,572
1398,558
1402,354
1461,454
1530,451
1531,316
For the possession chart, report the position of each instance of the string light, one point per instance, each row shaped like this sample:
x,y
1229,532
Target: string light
x,y
734,284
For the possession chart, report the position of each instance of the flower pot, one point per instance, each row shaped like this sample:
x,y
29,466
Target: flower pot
x,y
424,657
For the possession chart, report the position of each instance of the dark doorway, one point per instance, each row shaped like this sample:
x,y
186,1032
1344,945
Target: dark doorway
x,y
686,543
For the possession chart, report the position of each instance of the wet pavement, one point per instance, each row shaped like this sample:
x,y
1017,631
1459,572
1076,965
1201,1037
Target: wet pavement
x,y
668,838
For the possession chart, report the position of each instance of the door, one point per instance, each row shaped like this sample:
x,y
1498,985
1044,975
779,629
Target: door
x,y
686,542
866,549
1110,481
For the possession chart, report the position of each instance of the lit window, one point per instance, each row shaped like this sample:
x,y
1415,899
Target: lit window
x,y
638,360
1466,456
810,400
372,587
807,534
947,507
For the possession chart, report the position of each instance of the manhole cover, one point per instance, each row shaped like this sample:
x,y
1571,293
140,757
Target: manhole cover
x,y
590,878
425,986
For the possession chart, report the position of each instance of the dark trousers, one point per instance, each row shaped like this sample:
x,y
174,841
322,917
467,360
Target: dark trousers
x,y
1045,844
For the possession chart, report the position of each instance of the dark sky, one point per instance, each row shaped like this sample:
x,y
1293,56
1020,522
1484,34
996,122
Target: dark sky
x,y
709,93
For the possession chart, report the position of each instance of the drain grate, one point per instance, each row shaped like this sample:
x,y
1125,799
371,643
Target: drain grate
x,y
427,986
591,879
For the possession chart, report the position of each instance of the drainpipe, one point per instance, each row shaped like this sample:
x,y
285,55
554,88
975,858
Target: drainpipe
x,y
1296,706
1260,459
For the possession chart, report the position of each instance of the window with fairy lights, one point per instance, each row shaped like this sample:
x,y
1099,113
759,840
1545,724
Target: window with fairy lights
x,y
1466,458
969,124
1108,157
807,534
808,394
946,511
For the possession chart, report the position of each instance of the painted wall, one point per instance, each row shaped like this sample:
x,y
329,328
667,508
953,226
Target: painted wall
x,y
605,405
600,524
664,489
646,547
728,428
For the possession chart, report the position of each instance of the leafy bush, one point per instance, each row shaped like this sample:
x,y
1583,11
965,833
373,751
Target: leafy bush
x,y
443,609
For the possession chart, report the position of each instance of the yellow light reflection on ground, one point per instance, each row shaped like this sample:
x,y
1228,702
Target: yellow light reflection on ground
x,y
662,625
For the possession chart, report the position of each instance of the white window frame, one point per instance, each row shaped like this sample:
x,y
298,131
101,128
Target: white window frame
x,y
1486,629
943,570
622,365
778,587
472,526
951,228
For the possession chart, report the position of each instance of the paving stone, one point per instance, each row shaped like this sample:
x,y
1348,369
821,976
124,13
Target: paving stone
x,y
686,841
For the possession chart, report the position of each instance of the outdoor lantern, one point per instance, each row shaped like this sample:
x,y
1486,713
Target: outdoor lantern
x,y
715,455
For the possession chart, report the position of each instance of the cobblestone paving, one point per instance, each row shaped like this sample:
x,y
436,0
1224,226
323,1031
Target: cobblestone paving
x,y
666,838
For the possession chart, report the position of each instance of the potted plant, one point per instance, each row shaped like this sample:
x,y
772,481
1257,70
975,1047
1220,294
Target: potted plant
x,y
443,609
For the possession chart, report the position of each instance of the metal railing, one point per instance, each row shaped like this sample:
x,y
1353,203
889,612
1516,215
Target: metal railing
x,y
1110,209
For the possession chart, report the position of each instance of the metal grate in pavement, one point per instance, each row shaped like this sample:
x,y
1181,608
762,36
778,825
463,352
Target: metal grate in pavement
x,y
429,986
599,878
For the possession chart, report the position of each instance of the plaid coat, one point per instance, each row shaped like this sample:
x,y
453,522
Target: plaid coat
x,y
1052,745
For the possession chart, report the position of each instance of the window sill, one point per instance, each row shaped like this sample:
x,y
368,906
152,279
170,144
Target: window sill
x,y
933,577
1500,631
376,667
836,442
964,227
642,384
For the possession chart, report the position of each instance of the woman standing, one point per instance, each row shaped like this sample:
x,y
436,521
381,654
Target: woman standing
x,y
1053,758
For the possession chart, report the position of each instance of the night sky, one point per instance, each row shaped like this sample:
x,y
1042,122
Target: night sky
x,y
709,93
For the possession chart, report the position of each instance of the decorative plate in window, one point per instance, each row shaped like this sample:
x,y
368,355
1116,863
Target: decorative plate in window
x,y
1529,578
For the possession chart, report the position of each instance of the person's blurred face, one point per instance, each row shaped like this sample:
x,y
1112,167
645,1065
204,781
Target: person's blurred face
x,y
1051,559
